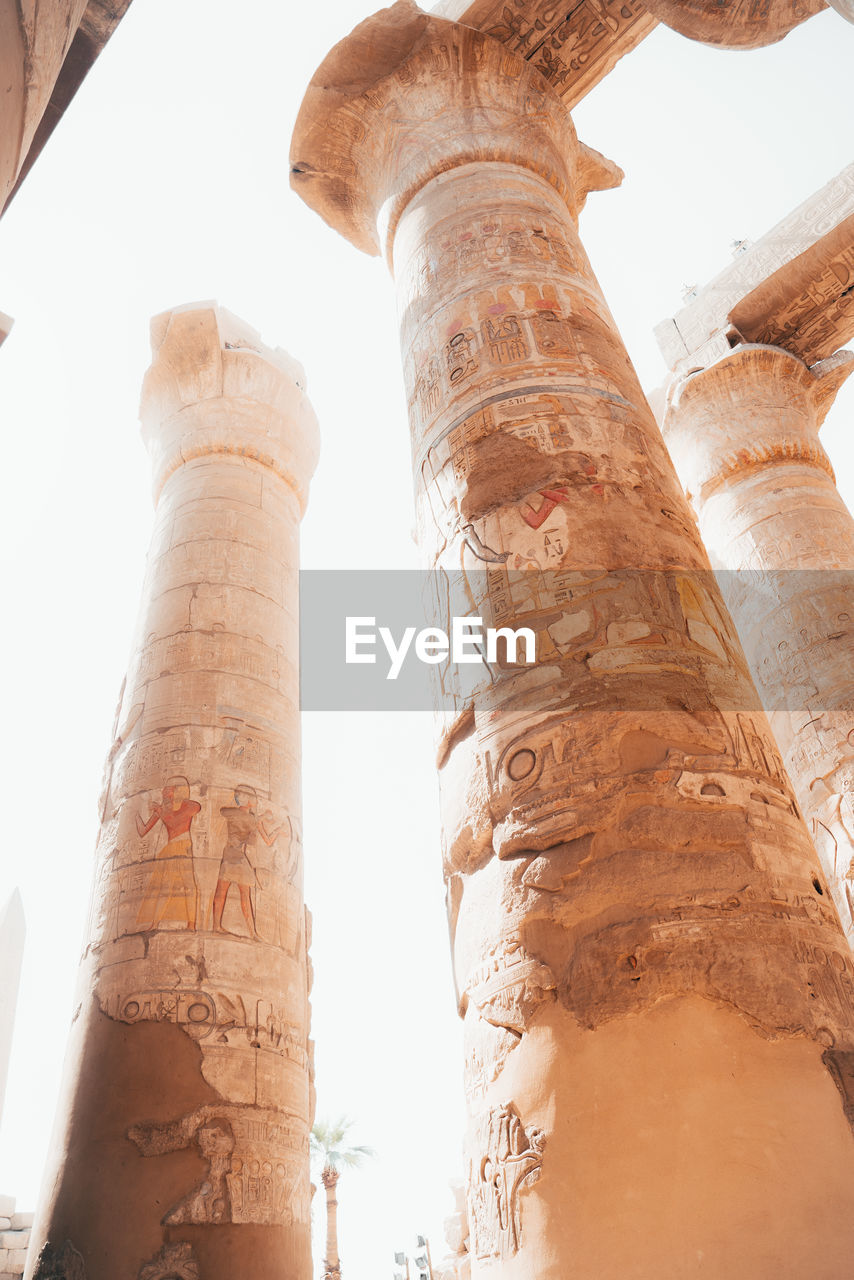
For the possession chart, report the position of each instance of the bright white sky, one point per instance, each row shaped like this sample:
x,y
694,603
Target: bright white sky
x,y
167,182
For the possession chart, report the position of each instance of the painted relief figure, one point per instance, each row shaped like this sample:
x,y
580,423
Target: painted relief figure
x,y
278,884
551,499
236,866
171,892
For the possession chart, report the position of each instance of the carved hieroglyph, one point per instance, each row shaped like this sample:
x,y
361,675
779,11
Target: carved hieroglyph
x,y
574,45
183,1137
506,1158
744,437
793,288
648,964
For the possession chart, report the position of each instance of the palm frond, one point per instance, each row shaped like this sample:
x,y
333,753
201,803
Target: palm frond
x,y
328,1146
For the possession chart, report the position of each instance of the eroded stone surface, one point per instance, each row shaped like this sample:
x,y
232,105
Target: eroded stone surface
x,y
624,856
194,985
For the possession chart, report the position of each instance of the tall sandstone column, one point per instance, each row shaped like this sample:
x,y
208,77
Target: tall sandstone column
x,y
743,434
656,990
181,1147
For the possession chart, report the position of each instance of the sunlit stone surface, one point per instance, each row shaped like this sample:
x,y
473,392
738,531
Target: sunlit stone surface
x,y
656,989
181,1147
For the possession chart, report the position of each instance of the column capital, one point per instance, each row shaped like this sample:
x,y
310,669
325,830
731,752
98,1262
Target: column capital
x,y
754,406
407,96
213,387
737,27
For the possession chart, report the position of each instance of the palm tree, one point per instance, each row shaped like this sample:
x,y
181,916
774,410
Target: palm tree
x,y
328,1149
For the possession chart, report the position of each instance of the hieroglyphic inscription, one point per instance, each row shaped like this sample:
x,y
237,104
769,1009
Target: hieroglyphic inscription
x,y
572,47
504,340
506,1159
459,356
493,244
254,1160
508,985
820,318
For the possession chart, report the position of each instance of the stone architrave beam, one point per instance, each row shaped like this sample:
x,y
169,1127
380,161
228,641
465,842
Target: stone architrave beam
x,y
793,288
658,999
575,44
181,1146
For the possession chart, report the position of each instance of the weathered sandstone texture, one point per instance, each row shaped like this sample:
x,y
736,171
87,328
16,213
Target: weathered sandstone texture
x,y
658,997
756,371
181,1146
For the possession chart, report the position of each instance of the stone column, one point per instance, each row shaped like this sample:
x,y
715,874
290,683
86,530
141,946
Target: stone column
x,y
743,434
656,990
182,1142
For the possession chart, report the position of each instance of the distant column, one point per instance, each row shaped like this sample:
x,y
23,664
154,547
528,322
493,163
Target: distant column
x,y
182,1143
656,992
743,434
13,934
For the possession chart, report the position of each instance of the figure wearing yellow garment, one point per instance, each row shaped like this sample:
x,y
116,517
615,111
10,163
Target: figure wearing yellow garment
x,y
171,892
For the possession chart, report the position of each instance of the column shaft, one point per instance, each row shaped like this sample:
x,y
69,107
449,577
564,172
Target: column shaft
x,y
182,1141
642,944
744,436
